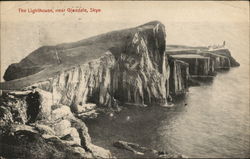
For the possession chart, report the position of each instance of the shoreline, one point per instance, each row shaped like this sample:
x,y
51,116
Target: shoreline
x,y
145,74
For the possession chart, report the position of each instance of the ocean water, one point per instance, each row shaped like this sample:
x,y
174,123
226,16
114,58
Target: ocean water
x,y
212,120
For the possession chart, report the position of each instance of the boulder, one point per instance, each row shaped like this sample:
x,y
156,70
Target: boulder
x,y
50,137
84,136
61,112
80,150
75,135
133,147
83,131
62,128
67,137
56,106
88,114
46,103
144,151
44,129
99,152
5,116
22,127
72,138
16,106
86,107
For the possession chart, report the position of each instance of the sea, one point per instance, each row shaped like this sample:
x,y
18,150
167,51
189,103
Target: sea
x,y
210,121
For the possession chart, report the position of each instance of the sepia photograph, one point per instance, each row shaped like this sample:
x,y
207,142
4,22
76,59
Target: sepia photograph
x,y
124,79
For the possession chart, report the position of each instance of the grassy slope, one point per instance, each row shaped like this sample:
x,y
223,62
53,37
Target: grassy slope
x,y
72,54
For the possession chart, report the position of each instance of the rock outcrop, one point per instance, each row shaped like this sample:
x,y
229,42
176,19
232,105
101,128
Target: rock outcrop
x,y
57,133
221,58
127,66
130,68
179,76
144,152
227,53
198,65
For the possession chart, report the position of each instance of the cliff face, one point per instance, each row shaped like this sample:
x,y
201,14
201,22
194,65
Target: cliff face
x,y
127,66
225,52
198,65
179,76
131,68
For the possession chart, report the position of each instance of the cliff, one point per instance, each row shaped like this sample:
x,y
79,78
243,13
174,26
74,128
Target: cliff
x,y
129,66
119,67
179,76
226,53
198,65
223,53
131,61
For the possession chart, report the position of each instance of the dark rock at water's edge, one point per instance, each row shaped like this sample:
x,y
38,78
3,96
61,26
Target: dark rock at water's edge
x,y
144,152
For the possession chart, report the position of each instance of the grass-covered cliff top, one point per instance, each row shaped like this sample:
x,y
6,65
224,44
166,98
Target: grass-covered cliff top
x,y
47,60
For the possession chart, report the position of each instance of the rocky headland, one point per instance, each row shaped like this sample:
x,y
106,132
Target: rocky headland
x,y
102,73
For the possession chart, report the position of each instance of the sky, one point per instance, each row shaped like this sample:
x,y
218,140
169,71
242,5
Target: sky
x,y
187,22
